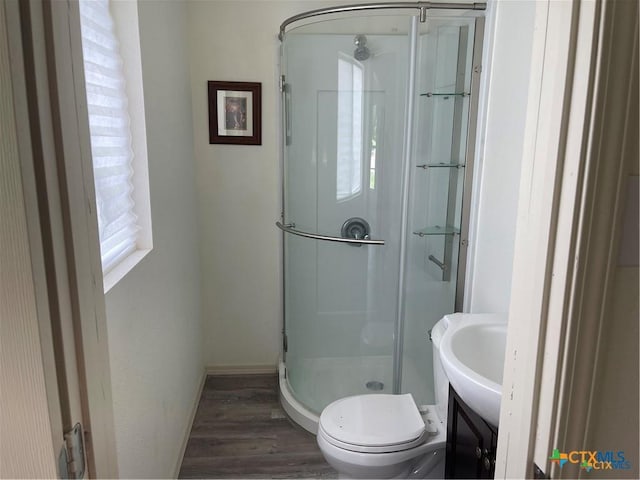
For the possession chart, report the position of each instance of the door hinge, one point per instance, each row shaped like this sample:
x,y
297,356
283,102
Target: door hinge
x,y
282,83
71,461
285,342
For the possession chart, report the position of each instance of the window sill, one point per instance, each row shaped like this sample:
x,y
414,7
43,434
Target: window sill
x,y
125,266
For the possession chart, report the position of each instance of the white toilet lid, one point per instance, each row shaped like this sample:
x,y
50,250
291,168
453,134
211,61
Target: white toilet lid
x,y
377,420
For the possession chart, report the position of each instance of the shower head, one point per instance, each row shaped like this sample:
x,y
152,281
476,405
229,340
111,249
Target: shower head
x,y
361,53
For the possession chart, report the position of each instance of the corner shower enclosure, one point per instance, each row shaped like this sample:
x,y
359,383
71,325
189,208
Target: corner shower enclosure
x,y
379,107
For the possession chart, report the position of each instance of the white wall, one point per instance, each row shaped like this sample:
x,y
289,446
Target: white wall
x,y
238,186
153,314
498,169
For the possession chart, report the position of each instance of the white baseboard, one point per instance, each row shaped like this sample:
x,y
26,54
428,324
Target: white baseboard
x,y
187,430
240,369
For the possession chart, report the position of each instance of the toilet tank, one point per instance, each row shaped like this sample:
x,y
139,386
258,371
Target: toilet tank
x,y
440,380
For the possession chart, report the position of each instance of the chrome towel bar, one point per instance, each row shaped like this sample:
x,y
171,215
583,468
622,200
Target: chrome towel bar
x,y
290,229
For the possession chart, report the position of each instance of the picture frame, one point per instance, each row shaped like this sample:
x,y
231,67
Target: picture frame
x,y
235,113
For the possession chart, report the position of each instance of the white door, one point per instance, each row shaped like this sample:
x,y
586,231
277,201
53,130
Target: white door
x,y
62,238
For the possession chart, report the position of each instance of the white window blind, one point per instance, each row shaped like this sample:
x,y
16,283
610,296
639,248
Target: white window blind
x,y
349,168
110,133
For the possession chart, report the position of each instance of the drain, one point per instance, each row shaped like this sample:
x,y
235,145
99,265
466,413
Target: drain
x,y
374,385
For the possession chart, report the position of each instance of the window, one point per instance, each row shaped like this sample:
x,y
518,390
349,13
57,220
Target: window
x,y
350,129
118,133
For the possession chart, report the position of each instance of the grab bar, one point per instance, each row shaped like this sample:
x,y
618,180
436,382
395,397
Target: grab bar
x,y
289,229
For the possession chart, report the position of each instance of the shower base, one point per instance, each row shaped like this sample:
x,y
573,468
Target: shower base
x,y
296,410
329,378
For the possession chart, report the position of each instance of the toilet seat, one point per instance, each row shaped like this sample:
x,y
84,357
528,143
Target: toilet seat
x,y
371,449
375,423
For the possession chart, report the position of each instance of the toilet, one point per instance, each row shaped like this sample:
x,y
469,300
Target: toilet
x,y
388,436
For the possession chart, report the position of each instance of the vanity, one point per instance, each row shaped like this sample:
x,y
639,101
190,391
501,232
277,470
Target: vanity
x,y
472,351
471,442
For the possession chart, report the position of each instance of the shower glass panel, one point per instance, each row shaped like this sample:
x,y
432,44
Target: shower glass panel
x,y
441,106
344,104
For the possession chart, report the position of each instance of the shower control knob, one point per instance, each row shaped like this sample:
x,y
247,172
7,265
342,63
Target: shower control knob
x,y
355,227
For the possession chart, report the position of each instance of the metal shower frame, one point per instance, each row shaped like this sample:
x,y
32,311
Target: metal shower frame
x,y
422,7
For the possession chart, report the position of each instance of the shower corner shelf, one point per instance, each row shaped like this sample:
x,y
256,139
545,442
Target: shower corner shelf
x,y
445,95
441,165
437,230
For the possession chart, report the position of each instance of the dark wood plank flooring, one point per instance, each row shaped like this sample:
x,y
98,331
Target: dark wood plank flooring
x,y
241,431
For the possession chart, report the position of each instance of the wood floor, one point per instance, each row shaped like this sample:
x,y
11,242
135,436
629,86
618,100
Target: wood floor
x,y
240,431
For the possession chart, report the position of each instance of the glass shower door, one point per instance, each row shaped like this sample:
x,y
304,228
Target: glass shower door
x,y
445,101
345,96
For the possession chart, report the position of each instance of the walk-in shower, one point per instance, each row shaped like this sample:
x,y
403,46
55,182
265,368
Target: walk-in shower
x,y
379,110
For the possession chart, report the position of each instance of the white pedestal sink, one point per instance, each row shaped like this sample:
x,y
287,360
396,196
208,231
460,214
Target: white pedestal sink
x,y
472,353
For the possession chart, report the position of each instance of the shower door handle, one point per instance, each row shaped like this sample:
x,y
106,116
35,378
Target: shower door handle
x,y
290,229
286,107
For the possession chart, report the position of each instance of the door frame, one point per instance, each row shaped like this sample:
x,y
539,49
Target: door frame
x,y
63,236
565,248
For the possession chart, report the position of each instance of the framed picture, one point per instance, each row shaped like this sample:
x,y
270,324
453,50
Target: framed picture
x,y
235,113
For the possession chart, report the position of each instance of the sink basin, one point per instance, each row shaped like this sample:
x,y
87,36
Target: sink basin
x,y
472,354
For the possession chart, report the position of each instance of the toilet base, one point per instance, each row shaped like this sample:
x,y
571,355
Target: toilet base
x,y
424,461
430,466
